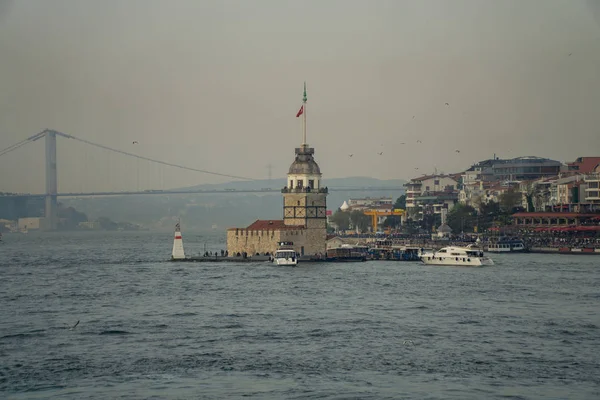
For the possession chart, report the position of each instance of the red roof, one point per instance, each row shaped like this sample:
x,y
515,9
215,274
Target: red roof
x,y
552,215
585,164
270,224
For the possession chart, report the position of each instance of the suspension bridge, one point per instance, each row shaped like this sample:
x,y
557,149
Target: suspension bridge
x,y
145,181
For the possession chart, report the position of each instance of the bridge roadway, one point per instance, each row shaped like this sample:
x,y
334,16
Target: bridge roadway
x,y
200,191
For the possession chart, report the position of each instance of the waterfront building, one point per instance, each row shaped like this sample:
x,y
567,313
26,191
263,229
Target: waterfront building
x,y
432,191
592,190
304,220
584,165
515,169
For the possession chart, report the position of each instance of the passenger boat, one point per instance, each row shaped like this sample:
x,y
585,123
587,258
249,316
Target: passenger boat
x,y
460,256
507,246
348,253
285,254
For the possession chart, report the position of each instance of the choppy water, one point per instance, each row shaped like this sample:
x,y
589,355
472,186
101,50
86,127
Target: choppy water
x,y
527,328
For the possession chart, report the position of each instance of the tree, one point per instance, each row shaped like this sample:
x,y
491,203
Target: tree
x,y
510,200
341,219
400,202
360,220
488,213
462,218
393,221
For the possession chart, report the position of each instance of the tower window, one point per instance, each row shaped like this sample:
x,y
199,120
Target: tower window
x,y
298,202
311,183
300,183
291,184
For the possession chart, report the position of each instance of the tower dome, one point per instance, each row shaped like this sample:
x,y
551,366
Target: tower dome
x,y
304,163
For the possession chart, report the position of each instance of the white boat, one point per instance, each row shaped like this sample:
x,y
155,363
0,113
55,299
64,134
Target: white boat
x,y
285,254
285,257
460,256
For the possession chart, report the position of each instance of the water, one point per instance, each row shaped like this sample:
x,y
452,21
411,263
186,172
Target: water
x,y
527,328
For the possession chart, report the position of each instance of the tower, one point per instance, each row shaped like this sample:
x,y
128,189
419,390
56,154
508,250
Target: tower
x,y
304,197
51,220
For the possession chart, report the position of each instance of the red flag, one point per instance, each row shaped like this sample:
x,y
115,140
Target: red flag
x,y
300,112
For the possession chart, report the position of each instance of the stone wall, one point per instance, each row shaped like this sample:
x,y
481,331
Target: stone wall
x,y
241,240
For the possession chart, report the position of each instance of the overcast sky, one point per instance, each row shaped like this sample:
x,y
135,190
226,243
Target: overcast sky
x,y
216,85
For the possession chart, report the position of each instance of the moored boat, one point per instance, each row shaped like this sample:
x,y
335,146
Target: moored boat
x,y
348,253
507,246
285,254
457,256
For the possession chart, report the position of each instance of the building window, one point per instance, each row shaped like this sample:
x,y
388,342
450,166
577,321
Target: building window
x,y
311,183
427,188
298,202
436,182
291,184
300,183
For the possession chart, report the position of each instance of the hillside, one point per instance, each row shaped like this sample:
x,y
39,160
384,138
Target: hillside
x,y
201,211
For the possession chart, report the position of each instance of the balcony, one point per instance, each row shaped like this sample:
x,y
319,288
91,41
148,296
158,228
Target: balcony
x,y
304,190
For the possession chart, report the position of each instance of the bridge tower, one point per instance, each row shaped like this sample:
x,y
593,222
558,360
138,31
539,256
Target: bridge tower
x,y
51,213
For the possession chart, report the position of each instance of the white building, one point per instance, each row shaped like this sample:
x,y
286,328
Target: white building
x,y
437,191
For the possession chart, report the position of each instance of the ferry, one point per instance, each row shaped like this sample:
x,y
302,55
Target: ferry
x,y
285,254
459,256
507,246
348,253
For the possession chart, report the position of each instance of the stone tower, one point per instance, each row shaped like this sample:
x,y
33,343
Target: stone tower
x,y
304,198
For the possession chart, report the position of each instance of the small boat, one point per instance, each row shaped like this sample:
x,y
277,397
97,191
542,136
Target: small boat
x,y
507,246
460,256
285,254
348,253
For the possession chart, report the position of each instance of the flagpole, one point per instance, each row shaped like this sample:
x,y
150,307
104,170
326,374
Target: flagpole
x,y
304,115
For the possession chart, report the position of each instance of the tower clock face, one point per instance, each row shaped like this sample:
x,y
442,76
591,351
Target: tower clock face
x,y
311,212
288,212
321,212
300,212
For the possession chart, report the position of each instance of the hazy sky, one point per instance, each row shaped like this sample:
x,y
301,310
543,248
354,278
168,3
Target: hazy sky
x,y
216,85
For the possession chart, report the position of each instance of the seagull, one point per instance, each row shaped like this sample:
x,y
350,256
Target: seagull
x,y
408,342
350,155
458,151
380,153
402,143
74,326
447,104
418,141
570,53
416,168
413,117
135,142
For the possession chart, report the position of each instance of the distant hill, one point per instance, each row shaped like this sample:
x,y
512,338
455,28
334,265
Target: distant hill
x,y
352,182
202,211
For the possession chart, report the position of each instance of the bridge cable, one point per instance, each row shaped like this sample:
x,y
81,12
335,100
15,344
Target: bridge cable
x,y
22,143
151,159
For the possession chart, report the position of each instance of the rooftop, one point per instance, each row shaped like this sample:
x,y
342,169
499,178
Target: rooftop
x,y
304,164
269,224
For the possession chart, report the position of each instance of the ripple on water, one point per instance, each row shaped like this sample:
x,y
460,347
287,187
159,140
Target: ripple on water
x,y
368,330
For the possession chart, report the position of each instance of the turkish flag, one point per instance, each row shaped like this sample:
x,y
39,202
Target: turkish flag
x,y
300,112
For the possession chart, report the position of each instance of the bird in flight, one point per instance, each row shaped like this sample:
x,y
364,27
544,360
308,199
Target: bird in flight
x,y
350,155
135,142
416,168
402,143
413,117
380,153
570,53
75,326
458,151
447,104
418,141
